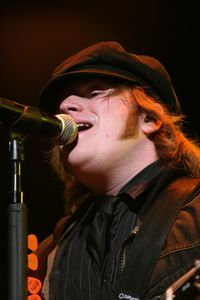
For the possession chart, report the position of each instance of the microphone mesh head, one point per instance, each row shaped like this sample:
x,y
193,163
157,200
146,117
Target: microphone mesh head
x,y
69,130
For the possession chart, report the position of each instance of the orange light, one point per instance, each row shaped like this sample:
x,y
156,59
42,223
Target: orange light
x,y
32,242
34,285
32,261
34,297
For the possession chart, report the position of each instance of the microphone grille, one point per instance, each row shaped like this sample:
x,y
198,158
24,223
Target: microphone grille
x,y
69,130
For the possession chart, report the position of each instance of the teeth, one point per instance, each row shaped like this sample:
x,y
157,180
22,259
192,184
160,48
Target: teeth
x,y
83,125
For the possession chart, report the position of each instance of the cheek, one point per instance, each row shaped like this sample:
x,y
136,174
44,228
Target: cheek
x,y
123,121
113,127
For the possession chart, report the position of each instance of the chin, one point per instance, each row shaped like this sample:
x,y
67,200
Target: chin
x,y
78,160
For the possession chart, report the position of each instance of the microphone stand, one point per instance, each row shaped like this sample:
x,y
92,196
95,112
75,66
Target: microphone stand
x,y
17,224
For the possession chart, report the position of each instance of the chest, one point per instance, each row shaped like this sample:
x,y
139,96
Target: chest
x,y
77,275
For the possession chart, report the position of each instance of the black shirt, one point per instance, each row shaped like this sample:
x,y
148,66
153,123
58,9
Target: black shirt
x,y
76,275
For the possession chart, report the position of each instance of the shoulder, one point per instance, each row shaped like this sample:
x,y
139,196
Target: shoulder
x,y
183,186
182,246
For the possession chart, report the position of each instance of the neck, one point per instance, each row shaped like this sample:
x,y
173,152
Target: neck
x,y
110,181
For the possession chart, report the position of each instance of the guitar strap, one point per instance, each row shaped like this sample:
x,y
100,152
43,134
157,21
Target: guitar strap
x,y
157,219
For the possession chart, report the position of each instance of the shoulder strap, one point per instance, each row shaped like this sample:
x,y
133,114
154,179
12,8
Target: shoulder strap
x,y
152,235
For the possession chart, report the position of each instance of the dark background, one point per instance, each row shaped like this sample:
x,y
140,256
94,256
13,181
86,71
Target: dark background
x,y
36,37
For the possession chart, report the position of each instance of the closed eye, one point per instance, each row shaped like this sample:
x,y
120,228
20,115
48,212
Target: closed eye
x,y
96,93
100,93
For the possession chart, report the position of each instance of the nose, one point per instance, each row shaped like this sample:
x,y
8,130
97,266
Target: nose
x,y
71,103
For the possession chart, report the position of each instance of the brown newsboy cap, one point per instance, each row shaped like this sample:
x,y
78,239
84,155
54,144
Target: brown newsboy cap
x,y
112,61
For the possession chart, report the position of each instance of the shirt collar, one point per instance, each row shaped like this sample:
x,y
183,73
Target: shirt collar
x,y
143,180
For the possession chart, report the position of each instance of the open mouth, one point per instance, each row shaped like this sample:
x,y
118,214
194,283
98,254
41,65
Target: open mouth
x,y
83,126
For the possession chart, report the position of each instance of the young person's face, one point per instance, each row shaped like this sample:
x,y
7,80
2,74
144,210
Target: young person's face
x,y
101,115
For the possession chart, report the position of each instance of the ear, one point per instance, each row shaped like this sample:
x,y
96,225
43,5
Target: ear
x,y
150,125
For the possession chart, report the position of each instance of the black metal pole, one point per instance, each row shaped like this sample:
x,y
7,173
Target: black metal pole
x,y
17,225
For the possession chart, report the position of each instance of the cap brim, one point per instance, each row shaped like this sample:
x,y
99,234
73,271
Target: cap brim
x,y
51,93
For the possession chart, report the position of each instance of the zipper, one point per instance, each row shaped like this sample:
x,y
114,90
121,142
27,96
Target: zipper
x,y
130,238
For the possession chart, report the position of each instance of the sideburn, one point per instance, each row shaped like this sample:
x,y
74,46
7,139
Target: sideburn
x,y
131,126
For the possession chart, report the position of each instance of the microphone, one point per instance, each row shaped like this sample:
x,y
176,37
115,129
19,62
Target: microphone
x,y
60,128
